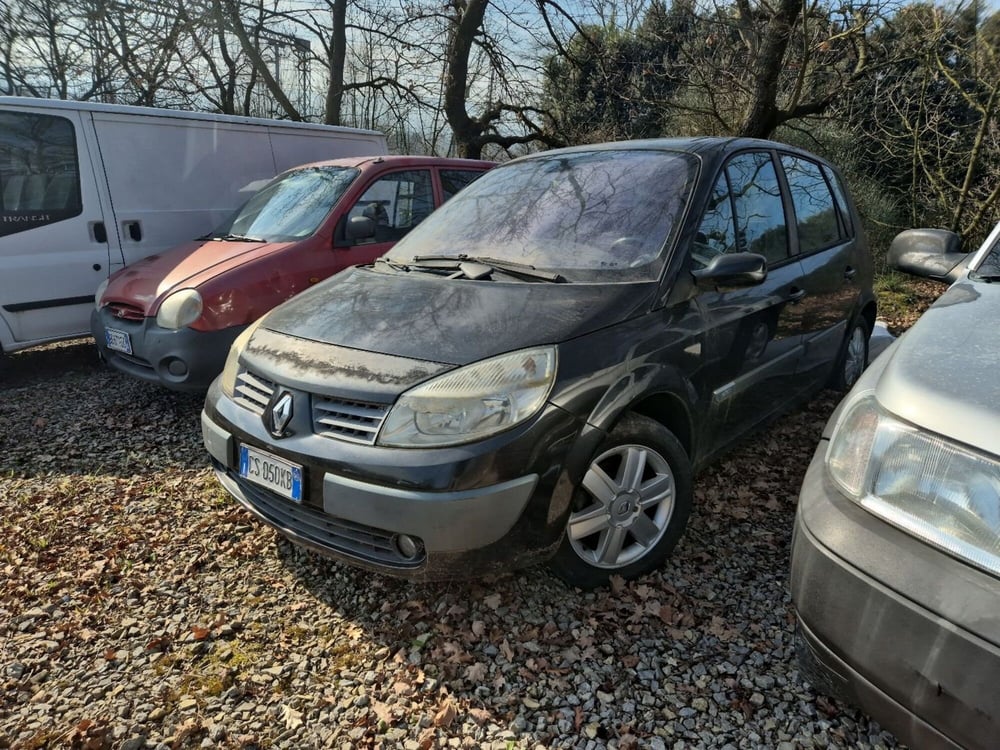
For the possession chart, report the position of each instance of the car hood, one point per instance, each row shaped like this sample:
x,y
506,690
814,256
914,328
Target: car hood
x,y
452,321
187,265
942,374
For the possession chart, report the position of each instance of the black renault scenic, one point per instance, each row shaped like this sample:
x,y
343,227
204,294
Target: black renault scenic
x,y
535,372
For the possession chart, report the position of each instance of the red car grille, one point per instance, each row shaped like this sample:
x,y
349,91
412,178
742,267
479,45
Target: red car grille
x,y
125,311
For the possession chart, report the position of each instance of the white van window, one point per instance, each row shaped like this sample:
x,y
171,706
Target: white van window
x,y
39,171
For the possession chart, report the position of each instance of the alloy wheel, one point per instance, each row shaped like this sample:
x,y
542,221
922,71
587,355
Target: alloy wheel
x,y
631,489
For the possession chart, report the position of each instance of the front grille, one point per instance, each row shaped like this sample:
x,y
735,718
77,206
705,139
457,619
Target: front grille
x,y
324,531
253,392
354,421
125,311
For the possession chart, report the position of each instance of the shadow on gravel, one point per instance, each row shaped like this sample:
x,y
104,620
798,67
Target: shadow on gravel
x,y
335,584
62,412
36,365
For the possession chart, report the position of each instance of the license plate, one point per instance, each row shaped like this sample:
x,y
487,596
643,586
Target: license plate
x,y
118,340
267,470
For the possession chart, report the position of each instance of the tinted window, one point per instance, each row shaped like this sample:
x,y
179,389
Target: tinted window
x,y
815,213
453,180
292,206
603,214
717,232
760,215
838,191
397,202
39,171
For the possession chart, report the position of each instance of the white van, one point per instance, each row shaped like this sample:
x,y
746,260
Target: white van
x,y
86,189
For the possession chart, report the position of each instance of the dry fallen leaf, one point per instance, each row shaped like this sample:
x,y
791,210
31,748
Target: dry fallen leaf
x,y
426,740
445,715
291,717
492,601
475,672
188,728
480,715
199,633
383,711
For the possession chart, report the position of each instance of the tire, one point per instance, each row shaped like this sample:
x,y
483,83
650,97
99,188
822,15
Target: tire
x,y
853,358
631,508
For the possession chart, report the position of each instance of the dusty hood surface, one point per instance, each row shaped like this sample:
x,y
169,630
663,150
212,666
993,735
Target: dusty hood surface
x,y
452,321
185,265
943,371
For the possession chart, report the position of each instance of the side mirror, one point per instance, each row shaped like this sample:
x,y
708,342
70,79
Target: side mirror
x,y
931,253
735,269
360,228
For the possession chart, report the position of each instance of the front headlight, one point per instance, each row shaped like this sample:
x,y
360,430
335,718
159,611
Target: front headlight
x,y
179,309
100,292
472,402
939,491
227,381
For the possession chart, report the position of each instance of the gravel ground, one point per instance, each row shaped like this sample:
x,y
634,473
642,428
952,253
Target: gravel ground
x,y
139,607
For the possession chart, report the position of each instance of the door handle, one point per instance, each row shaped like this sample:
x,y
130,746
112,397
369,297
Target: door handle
x,y
133,229
795,295
98,231
850,273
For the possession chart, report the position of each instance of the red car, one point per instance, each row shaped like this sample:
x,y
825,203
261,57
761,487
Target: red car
x,y
171,318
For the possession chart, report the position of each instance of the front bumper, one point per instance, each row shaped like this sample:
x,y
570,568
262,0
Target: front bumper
x,y
182,359
475,509
895,626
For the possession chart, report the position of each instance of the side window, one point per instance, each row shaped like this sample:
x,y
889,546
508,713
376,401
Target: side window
x,y
453,180
717,232
39,171
760,214
815,212
397,202
838,191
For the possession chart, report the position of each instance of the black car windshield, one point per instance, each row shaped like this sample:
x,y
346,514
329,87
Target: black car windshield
x,y
290,207
593,215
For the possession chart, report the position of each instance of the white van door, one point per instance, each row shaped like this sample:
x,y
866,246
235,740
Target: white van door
x,y
54,244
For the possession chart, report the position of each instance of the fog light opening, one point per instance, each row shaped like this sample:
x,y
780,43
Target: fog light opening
x,y
176,367
409,547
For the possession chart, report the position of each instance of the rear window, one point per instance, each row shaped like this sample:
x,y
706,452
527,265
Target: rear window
x,y
815,211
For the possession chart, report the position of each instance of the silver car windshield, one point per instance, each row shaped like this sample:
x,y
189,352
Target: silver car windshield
x,y
290,207
596,215
989,268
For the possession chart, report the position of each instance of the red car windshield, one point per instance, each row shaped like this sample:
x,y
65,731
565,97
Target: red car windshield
x,y
290,207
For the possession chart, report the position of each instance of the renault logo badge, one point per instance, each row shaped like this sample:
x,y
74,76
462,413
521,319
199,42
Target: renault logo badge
x,y
278,415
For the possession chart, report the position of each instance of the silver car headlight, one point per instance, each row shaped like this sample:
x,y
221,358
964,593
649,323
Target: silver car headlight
x,y
227,381
472,402
939,491
179,309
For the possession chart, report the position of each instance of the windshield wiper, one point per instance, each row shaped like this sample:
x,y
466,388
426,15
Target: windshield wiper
x,y
485,263
231,238
393,264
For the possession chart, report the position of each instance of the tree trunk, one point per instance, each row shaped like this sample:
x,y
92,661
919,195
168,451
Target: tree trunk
x,y
469,16
762,113
337,56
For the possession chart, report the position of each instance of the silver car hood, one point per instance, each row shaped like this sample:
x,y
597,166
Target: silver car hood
x,y
942,374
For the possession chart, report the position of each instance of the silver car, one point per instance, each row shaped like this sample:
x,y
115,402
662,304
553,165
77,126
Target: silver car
x,y
895,570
